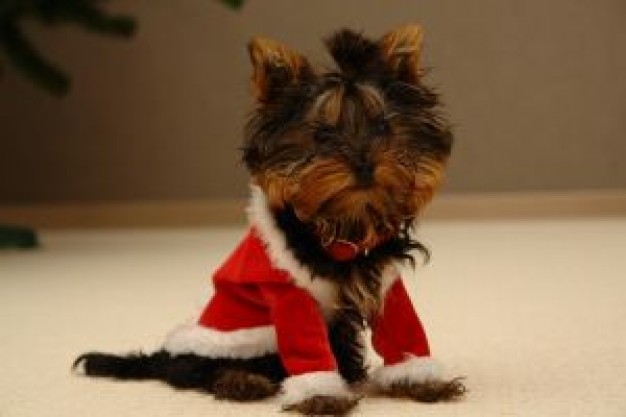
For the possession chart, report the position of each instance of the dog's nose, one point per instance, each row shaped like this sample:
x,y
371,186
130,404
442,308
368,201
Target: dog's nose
x,y
364,174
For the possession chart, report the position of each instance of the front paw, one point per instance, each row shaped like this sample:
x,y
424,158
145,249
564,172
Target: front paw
x,y
239,385
318,393
429,391
417,378
324,405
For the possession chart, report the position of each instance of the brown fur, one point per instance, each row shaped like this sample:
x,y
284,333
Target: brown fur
x,y
402,49
325,191
427,392
239,385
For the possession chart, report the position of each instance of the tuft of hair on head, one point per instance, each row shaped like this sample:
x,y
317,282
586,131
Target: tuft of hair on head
x,y
397,54
353,53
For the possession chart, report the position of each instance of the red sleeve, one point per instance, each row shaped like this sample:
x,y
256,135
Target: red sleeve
x,y
397,331
300,329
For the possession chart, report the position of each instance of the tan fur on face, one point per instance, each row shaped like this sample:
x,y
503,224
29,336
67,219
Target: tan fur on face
x,y
428,177
276,186
325,193
317,183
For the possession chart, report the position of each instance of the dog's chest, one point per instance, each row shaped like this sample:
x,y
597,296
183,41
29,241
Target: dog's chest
x,y
326,291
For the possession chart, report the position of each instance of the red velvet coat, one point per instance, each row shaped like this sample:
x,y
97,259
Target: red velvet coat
x,y
250,292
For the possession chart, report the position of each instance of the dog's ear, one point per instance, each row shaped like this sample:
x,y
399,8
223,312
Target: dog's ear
x,y
274,67
401,50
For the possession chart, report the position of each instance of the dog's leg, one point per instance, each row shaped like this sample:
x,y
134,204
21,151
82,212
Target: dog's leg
x,y
428,391
417,378
180,371
241,385
346,341
235,379
131,366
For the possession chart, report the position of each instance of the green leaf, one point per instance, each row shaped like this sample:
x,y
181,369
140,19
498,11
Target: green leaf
x,y
13,237
234,4
24,57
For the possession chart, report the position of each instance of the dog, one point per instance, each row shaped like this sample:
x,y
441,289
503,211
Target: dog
x,y
342,162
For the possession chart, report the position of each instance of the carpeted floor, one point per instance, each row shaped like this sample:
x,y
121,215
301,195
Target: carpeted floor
x,y
533,313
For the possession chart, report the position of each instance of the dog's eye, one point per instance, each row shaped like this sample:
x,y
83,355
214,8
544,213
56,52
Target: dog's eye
x,y
325,133
381,127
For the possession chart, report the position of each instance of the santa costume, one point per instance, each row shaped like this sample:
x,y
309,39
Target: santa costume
x,y
265,302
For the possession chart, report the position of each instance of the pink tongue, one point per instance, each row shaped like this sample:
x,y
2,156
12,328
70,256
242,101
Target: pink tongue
x,y
342,250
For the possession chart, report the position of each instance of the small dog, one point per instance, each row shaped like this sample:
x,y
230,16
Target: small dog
x,y
342,162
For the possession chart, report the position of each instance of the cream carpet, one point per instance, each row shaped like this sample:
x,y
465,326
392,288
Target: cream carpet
x,y
533,313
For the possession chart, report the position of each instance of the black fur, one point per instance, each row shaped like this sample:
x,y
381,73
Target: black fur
x,y
306,248
355,55
345,342
186,371
271,121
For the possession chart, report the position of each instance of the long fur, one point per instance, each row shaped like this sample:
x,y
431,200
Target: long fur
x,y
187,371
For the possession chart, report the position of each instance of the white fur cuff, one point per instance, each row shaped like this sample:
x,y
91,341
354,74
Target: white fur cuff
x,y
203,341
301,387
415,369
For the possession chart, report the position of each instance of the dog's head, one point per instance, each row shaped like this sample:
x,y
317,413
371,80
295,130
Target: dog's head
x,y
356,151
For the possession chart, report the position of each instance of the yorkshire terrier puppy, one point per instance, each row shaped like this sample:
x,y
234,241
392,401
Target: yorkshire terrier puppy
x,y
342,162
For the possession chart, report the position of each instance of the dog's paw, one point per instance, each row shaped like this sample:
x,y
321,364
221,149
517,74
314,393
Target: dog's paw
x,y
238,385
324,405
429,391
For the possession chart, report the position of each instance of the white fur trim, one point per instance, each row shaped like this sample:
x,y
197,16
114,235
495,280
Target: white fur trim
x,y
415,369
301,387
324,291
389,276
203,341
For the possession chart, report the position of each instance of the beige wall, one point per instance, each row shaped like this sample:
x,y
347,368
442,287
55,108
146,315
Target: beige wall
x,y
536,90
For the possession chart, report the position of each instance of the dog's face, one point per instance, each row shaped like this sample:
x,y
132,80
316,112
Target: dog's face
x,y
355,152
